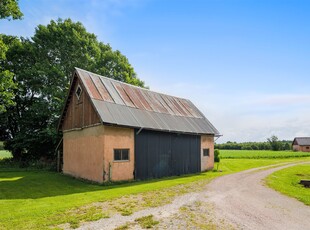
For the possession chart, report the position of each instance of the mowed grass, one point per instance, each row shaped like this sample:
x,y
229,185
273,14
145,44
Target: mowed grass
x,y
43,200
258,154
287,181
5,154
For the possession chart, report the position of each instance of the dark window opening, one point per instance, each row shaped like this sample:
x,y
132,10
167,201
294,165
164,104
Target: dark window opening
x,y
205,152
307,147
121,154
78,92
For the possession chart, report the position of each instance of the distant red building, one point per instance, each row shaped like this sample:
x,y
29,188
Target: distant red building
x,y
301,144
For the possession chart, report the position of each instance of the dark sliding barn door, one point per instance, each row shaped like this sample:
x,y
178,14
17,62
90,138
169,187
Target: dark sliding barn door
x,y
159,154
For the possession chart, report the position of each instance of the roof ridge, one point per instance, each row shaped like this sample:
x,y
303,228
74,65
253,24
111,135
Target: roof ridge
x,y
125,83
151,109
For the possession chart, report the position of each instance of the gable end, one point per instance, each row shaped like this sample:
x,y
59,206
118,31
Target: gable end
x,y
79,112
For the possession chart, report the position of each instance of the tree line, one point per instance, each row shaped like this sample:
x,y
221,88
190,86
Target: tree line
x,y
35,75
272,143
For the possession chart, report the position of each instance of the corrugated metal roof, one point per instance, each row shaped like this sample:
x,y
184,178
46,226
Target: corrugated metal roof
x,y
127,105
302,141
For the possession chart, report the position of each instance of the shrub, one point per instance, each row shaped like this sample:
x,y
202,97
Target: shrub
x,y
217,158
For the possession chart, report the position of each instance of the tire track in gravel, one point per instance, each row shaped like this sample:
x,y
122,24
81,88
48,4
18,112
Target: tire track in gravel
x,y
243,200
240,199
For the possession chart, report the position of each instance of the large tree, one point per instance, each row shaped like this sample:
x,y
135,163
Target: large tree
x,y
7,84
42,68
274,143
10,9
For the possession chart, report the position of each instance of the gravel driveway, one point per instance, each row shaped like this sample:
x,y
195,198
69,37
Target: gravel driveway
x,y
243,200
236,201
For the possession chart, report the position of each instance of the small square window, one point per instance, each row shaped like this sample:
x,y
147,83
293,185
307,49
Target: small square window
x,y
121,154
307,147
78,92
205,152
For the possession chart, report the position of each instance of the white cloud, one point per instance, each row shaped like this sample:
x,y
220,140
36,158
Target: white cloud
x,y
247,116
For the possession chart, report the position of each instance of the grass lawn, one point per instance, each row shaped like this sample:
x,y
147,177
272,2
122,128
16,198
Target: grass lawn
x,y
41,199
287,181
258,154
5,154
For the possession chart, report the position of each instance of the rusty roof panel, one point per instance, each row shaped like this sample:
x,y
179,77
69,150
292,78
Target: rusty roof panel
x,y
133,97
155,102
150,101
142,108
159,97
112,91
101,88
194,108
182,107
189,110
189,106
175,106
178,107
89,85
169,104
123,94
142,98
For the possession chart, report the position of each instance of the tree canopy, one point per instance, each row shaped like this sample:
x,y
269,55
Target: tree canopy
x,y
41,68
10,9
272,143
7,84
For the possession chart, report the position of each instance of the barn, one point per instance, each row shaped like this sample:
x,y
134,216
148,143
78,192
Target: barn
x,y
301,144
114,131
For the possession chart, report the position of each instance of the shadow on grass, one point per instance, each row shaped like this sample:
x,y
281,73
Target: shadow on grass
x,y
40,184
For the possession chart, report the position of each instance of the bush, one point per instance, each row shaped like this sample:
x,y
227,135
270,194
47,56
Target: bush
x,y
1,145
217,155
217,158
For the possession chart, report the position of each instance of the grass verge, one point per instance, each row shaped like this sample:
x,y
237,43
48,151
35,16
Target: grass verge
x,y
41,199
260,154
287,181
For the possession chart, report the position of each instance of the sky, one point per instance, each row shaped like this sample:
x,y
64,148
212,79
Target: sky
x,y
244,63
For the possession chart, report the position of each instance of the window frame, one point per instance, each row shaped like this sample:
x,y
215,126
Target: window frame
x,y
121,154
208,152
76,92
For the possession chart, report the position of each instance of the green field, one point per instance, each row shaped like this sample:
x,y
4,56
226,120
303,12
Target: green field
x,y
43,200
258,154
5,154
287,181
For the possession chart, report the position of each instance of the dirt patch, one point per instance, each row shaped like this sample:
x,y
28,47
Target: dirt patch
x,y
236,201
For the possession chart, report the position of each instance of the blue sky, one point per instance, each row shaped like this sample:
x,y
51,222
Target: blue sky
x,y
244,63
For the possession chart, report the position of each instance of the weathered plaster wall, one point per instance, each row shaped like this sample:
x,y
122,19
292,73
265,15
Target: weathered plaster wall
x,y
301,148
83,153
207,163
296,148
89,153
118,138
305,148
